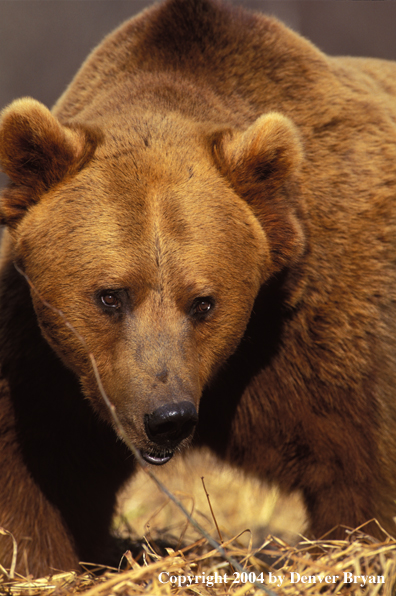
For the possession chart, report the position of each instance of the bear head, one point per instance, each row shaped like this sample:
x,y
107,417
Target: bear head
x,y
146,243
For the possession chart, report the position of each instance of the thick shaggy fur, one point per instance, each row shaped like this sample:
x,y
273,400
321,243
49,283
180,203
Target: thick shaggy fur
x,y
201,152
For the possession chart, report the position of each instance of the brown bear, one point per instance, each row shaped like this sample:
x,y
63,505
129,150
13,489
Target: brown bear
x,y
211,205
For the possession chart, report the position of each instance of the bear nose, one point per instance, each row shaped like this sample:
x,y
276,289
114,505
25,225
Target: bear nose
x,y
171,423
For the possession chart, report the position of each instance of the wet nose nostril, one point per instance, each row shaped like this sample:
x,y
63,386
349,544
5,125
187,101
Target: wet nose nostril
x,y
171,423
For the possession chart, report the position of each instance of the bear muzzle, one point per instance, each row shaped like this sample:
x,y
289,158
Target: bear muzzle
x,y
166,427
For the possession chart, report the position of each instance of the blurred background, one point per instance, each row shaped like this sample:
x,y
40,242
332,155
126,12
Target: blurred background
x,y
42,44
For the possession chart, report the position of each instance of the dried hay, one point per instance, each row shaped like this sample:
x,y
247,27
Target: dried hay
x,y
340,561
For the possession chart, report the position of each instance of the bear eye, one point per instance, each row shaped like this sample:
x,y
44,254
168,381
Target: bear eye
x,y
202,306
110,299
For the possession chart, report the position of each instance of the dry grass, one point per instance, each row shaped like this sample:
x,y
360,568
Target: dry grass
x,y
248,517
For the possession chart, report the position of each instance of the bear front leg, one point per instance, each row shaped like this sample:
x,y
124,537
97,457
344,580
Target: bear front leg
x,y
338,463
44,543
59,477
339,505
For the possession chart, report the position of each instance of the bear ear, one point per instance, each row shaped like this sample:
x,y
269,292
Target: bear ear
x,y
262,163
265,154
36,152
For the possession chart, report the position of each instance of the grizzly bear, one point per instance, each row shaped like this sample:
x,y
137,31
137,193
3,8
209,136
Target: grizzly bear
x,y
211,206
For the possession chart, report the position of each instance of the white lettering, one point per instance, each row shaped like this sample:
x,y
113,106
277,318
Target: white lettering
x,y
273,579
280,578
294,577
165,581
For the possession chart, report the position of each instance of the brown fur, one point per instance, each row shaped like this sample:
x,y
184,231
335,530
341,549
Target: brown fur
x,y
201,151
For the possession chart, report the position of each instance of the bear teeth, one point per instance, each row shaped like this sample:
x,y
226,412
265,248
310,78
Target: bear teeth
x,y
155,459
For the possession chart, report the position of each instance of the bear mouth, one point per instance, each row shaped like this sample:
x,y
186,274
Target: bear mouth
x,y
157,459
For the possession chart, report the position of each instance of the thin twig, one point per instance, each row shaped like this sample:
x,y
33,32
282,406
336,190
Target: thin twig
x,y
211,510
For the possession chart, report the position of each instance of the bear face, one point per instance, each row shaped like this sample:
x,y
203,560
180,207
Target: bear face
x,y
150,247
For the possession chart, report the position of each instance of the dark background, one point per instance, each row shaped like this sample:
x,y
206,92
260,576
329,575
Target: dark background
x,y
43,42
